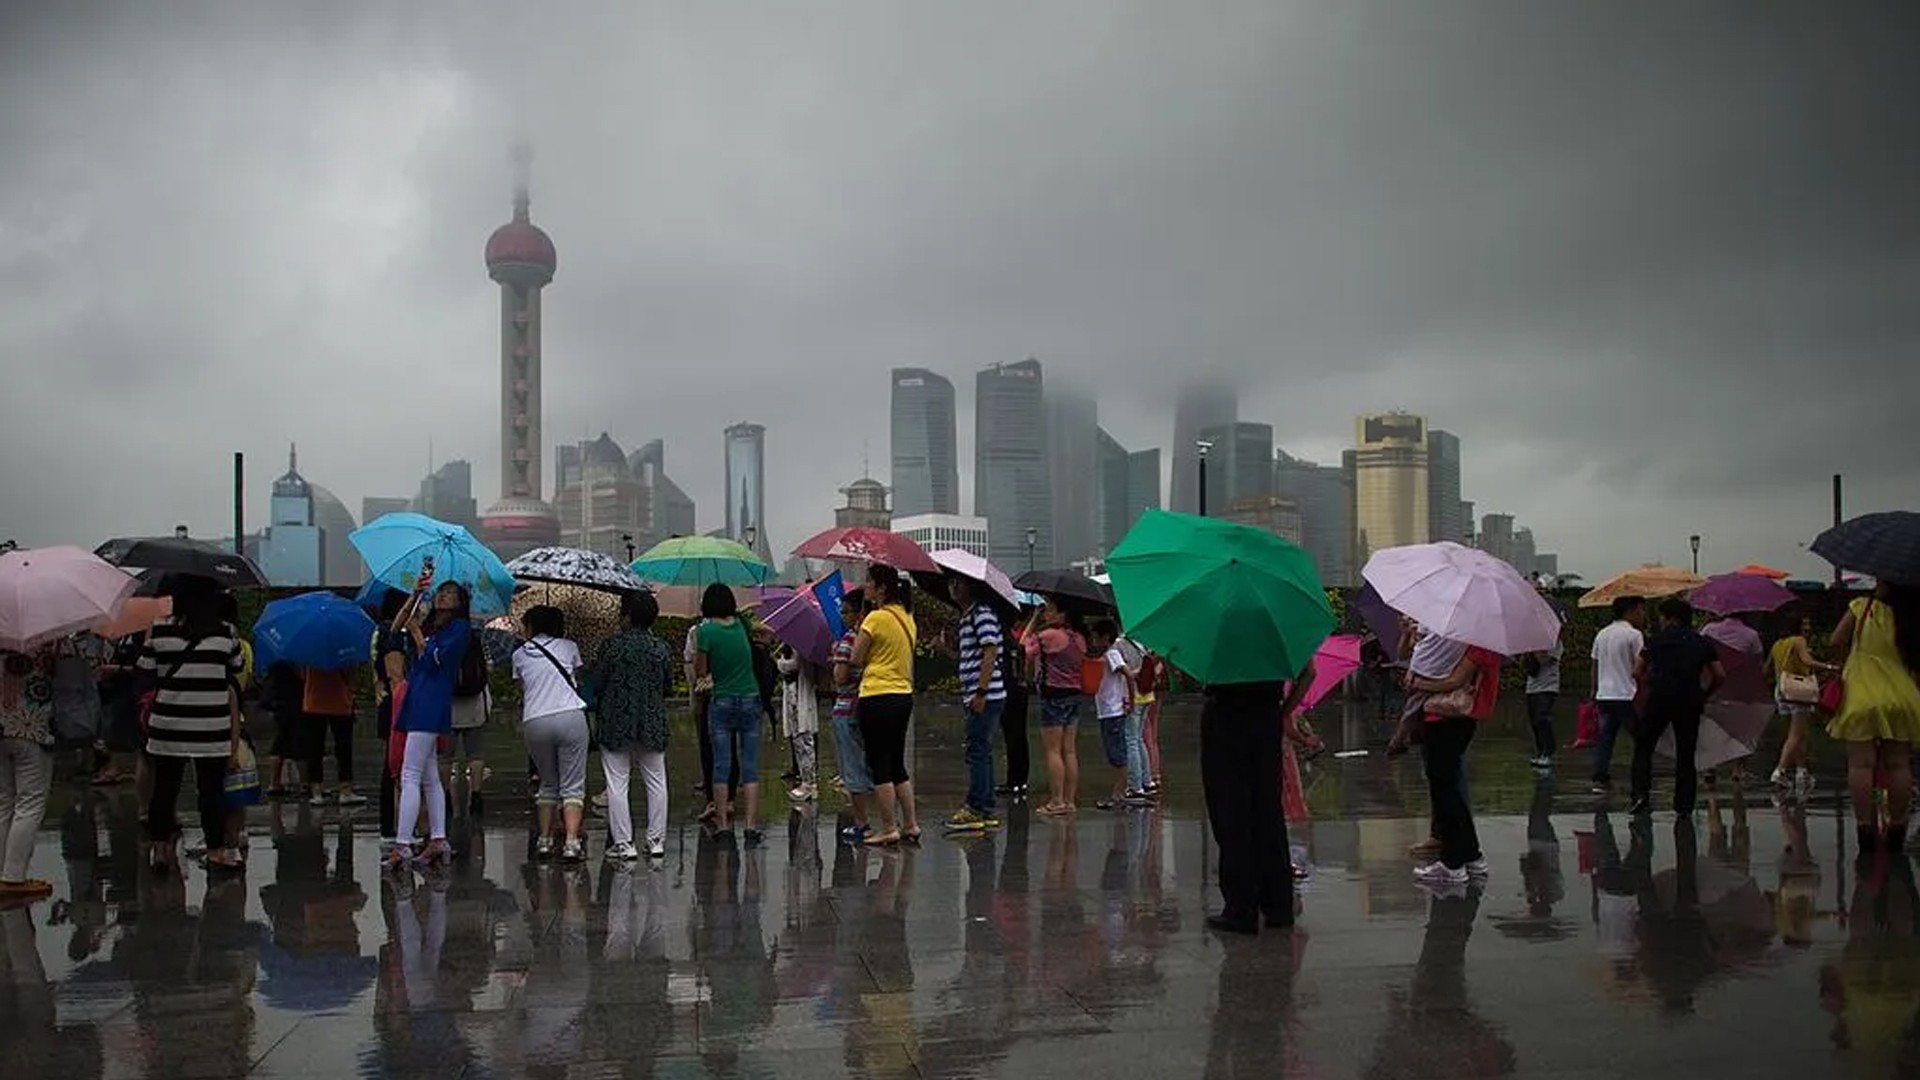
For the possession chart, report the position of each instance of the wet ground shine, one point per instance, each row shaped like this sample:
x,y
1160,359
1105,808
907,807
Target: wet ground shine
x,y
1749,941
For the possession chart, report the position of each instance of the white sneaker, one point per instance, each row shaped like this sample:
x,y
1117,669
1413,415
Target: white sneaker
x,y
1478,868
656,849
1440,874
1803,782
1779,778
623,852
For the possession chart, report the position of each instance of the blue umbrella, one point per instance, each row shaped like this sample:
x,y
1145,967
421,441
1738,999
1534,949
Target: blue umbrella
x,y
1884,545
397,546
373,595
318,630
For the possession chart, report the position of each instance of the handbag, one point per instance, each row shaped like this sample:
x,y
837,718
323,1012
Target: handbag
x,y
1459,701
1586,728
1798,689
242,786
1834,694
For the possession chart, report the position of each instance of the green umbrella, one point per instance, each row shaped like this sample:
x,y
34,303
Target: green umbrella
x,y
1225,603
701,561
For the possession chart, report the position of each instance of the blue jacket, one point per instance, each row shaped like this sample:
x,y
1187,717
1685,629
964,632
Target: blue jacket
x,y
430,679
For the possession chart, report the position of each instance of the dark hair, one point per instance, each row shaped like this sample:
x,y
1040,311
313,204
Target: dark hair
x,y
1673,609
1903,601
1624,606
391,601
436,619
718,603
890,585
639,609
855,599
1105,628
545,621
229,606
196,605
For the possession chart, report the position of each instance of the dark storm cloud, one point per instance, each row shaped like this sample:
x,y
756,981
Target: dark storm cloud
x,y
1652,262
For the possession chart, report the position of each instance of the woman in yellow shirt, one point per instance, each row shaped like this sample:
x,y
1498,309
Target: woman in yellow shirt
x,y
885,649
1878,643
1791,656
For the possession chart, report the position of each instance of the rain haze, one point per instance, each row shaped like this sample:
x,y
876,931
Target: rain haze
x,y
1655,264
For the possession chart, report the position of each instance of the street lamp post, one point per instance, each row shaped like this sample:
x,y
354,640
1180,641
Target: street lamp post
x,y
1694,543
627,539
1033,537
1203,446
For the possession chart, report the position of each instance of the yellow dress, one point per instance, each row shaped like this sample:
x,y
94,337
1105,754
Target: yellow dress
x,y
1882,700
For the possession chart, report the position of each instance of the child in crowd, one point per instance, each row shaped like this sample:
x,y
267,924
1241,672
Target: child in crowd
x,y
1112,704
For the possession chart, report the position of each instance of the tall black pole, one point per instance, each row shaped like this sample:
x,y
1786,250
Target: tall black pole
x,y
239,503
1837,576
1203,485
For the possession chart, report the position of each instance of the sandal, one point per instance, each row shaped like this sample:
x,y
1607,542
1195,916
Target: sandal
x,y
912,837
436,852
399,857
886,839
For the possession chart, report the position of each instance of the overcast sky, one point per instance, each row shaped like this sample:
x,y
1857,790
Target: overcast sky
x,y
1655,263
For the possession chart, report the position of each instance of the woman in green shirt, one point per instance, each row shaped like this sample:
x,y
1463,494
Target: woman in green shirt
x,y
724,656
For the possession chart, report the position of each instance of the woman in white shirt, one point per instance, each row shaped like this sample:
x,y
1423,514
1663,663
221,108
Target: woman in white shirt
x,y
554,725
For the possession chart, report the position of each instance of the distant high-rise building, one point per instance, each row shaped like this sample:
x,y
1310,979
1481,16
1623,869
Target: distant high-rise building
x,y
866,506
1199,408
1143,485
1496,537
1011,485
604,506
375,507
292,551
339,559
1547,565
1240,464
746,488
1466,513
446,495
671,509
938,532
1268,513
1523,552
1389,483
521,258
1323,494
1111,491
926,464
1073,457
1447,515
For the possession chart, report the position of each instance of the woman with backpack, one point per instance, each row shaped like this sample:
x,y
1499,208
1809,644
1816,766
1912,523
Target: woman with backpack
x,y
553,721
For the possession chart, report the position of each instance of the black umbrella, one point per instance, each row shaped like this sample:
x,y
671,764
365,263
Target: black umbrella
x,y
171,555
1885,546
1069,588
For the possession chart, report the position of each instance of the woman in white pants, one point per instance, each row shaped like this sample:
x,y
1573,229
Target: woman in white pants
x,y
426,715
26,766
629,685
800,720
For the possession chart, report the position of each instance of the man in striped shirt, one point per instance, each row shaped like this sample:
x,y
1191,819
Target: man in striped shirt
x,y
983,694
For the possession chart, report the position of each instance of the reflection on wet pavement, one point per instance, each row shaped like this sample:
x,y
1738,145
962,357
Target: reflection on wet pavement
x,y
1750,939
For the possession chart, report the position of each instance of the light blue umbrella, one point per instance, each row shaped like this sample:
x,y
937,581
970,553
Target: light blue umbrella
x,y
397,546
318,630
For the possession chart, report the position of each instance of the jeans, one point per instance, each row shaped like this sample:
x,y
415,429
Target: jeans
x,y
1540,716
729,718
851,751
980,728
557,743
26,772
1684,719
618,765
1444,750
1138,775
1614,715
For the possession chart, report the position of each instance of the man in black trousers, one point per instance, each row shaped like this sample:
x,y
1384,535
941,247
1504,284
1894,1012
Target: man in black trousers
x,y
1241,728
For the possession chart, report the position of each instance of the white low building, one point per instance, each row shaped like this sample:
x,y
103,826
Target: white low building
x,y
937,532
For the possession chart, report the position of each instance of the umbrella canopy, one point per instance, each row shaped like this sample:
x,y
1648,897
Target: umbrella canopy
x,y
1758,570
800,623
397,546
593,615
1731,594
1225,603
701,561
1381,619
863,545
1068,588
576,566
319,630
1738,713
683,601
1335,659
1465,595
137,617
998,591
499,638
373,595
1646,582
179,555
48,593
1884,546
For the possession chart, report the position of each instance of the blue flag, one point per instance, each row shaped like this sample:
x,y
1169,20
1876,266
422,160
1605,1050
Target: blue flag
x,y
830,590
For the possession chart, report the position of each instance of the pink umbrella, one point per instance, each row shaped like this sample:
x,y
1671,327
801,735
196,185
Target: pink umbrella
x,y
48,593
1728,594
800,623
976,568
1738,713
863,545
1335,659
1465,595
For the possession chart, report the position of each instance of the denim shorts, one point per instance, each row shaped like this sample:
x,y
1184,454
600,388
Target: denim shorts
x,y
1058,712
1113,739
851,754
728,717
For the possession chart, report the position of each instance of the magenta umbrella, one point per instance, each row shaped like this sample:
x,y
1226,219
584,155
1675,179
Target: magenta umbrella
x,y
1731,594
1335,659
800,623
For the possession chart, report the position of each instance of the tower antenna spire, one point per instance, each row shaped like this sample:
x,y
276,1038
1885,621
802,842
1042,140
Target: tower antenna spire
x,y
522,156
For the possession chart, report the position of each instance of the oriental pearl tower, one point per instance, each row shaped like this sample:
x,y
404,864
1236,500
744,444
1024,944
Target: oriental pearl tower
x,y
521,257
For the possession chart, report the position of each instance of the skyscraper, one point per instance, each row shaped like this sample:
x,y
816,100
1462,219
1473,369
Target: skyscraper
x,y
1324,497
521,257
446,494
1389,483
1240,465
747,487
1011,487
671,511
292,551
926,464
1199,408
1110,491
1073,459
603,505
1143,485
1447,514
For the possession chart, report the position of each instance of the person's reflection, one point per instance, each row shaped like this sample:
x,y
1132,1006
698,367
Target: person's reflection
x,y
200,967
559,977
1065,947
731,947
26,998
1873,991
882,1041
630,1020
1676,953
413,1014
1254,1026
1734,847
976,1014
805,970
1798,895
1431,1028
1616,887
1540,872
312,962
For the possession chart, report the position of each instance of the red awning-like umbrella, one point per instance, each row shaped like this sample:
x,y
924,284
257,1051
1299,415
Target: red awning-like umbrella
x,y
1757,570
864,545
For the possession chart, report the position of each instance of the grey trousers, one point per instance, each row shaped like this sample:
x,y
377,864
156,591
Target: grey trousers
x,y
557,743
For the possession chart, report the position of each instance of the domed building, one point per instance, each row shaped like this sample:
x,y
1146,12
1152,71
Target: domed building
x,y
291,549
520,256
339,560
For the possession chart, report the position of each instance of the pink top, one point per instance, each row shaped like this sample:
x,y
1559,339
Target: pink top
x,y
1061,652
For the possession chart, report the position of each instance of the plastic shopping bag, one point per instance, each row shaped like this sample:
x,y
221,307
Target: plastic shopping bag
x,y
242,786
1586,731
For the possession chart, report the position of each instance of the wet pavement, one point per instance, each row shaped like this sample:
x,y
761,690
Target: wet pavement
x,y
1750,940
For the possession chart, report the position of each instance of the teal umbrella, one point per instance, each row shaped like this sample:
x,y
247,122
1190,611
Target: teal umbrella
x,y
1225,603
701,561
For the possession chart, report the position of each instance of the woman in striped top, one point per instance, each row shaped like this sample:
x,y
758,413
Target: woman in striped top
x,y
196,657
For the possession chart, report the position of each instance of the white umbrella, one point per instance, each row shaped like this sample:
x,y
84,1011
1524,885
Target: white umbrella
x,y
1464,595
975,568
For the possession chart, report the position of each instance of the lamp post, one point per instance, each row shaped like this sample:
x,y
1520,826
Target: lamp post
x,y
1033,537
627,539
747,536
1203,446
1694,543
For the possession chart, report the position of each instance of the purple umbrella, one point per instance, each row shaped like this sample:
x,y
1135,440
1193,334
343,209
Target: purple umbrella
x,y
1729,594
1381,619
800,623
